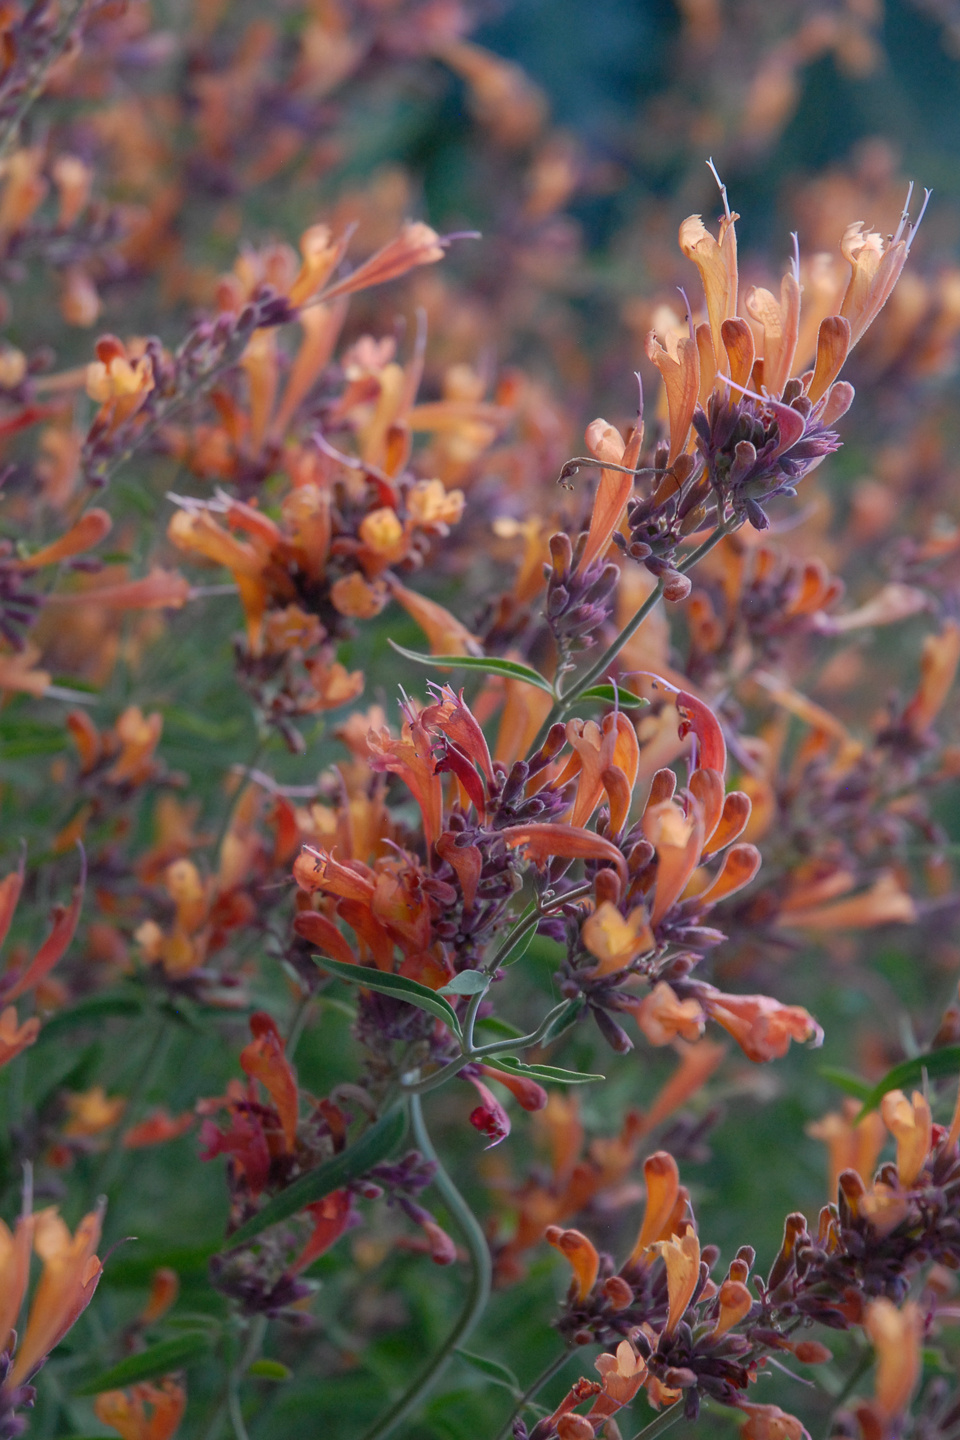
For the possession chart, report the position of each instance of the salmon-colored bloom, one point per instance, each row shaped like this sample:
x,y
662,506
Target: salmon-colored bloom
x,y
614,486
769,1422
735,1301
852,1144
581,1253
616,941
897,1336
664,1193
15,1250
662,1016
911,1125
13,1036
761,1026
150,1411
92,527
681,1255
157,1128
71,1273
263,1059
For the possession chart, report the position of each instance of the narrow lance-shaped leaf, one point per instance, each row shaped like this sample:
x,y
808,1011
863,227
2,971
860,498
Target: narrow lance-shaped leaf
x,y
159,1359
549,1073
493,1370
485,664
846,1081
396,985
936,1063
613,695
373,1146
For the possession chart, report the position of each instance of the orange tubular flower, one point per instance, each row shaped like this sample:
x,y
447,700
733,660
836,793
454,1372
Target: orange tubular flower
x,y
542,842
851,1144
581,1253
664,1193
911,1125
13,1036
681,1255
614,487
263,1059
71,1273
146,1412
761,1026
897,1336
65,920
769,1422
14,1273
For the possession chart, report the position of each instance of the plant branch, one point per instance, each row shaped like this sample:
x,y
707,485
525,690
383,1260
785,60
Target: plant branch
x,y
477,1295
555,1366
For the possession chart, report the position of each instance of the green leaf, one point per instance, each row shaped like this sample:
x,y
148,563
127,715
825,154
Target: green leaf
x,y
564,1020
499,1026
499,1374
846,1081
485,664
519,947
158,1360
937,1064
549,1073
396,985
373,1146
613,695
270,1370
90,1010
468,982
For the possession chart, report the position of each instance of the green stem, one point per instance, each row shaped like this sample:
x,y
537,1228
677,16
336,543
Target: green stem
x,y
601,666
256,756
37,77
853,1379
495,1047
664,1420
113,1159
477,1295
552,1369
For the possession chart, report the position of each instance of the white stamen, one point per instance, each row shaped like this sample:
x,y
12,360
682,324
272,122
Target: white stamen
x,y
916,225
723,189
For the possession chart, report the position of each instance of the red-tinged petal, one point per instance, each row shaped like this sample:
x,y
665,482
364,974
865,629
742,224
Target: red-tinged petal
x,y
10,888
699,718
466,861
442,1249
456,763
543,842
92,527
738,343
323,933
740,864
316,870
681,380
527,1093
736,812
706,786
330,1217
581,1253
833,346
489,1118
263,1059
454,717
613,490
53,948
663,1187
160,590
790,423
